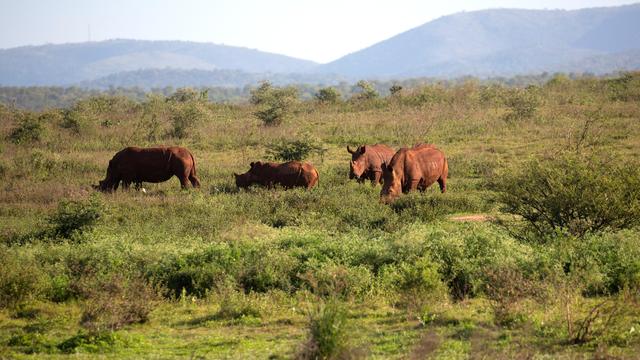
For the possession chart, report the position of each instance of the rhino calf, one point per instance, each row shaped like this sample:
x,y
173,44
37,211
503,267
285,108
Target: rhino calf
x,y
288,175
157,164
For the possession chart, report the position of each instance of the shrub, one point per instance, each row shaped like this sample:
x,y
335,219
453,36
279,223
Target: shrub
x,y
328,95
76,216
188,95
287,150
365,91
505,286
328,337
275,103
338,281
93,342
236,305
75,121
522,104
31,343
20,279
185,117
29,128
570,194
116,301
395,89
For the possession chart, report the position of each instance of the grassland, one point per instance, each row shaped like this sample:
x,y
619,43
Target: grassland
x,y
222,273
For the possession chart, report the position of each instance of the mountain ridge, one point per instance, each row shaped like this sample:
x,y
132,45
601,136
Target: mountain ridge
x,y
492,42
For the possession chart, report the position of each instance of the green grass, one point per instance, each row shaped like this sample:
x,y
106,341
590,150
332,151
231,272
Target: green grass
x,y
239,271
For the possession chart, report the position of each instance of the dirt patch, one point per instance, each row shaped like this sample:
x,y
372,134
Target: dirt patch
x,y
472,218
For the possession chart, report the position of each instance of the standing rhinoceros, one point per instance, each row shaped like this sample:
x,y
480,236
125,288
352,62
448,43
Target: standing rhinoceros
x,y
157,164
414,168
368,162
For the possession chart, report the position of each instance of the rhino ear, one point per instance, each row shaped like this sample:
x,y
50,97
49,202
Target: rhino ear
x,y
349,150
252,164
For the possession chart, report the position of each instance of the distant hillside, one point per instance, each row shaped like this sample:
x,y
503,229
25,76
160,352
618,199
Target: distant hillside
x,y
486,43
74,63
505,42
160,78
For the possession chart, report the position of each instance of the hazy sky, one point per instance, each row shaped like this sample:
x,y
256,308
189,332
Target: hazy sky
x,y
320,30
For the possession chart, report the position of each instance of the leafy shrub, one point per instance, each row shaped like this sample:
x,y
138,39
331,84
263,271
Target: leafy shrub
x,y
188,95
275,103
75,121
328,337
237,305
185,117
625,87
20,279
76,216
29,128
338,281
395,89
287,150
328,95
116,301
522,104
570,194
420,279
365,91
31,343
505,286
92,342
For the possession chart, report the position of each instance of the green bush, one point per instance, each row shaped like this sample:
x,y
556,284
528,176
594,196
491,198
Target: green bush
x,y
184,118
92,342
365,91
275,103
20,279
75,121
328,336
522,103
328,95
29,128
236,305
116,301
287,150
31,343
73,217
571,194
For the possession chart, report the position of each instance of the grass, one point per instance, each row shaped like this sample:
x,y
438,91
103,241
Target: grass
x,y
238,270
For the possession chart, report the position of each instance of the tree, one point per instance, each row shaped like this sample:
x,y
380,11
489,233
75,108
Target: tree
x,y
366,91
274,103
328,95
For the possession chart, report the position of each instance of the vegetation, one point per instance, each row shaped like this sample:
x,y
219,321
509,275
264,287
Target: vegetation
x,y
330,272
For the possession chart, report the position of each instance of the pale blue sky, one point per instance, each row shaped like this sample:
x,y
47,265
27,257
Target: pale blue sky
x,y
320,30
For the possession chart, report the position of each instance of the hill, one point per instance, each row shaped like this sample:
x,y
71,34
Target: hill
x,y
505,42
74,63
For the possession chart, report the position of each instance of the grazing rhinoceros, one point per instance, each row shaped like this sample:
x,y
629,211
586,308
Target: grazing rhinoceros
x,y
157,164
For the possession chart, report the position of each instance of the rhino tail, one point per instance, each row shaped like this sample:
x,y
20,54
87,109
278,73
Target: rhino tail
x,y
317,180
445,170
195,182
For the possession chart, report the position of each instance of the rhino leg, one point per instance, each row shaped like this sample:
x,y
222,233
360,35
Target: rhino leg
x,y
413,185
376,178
195,182
443,184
